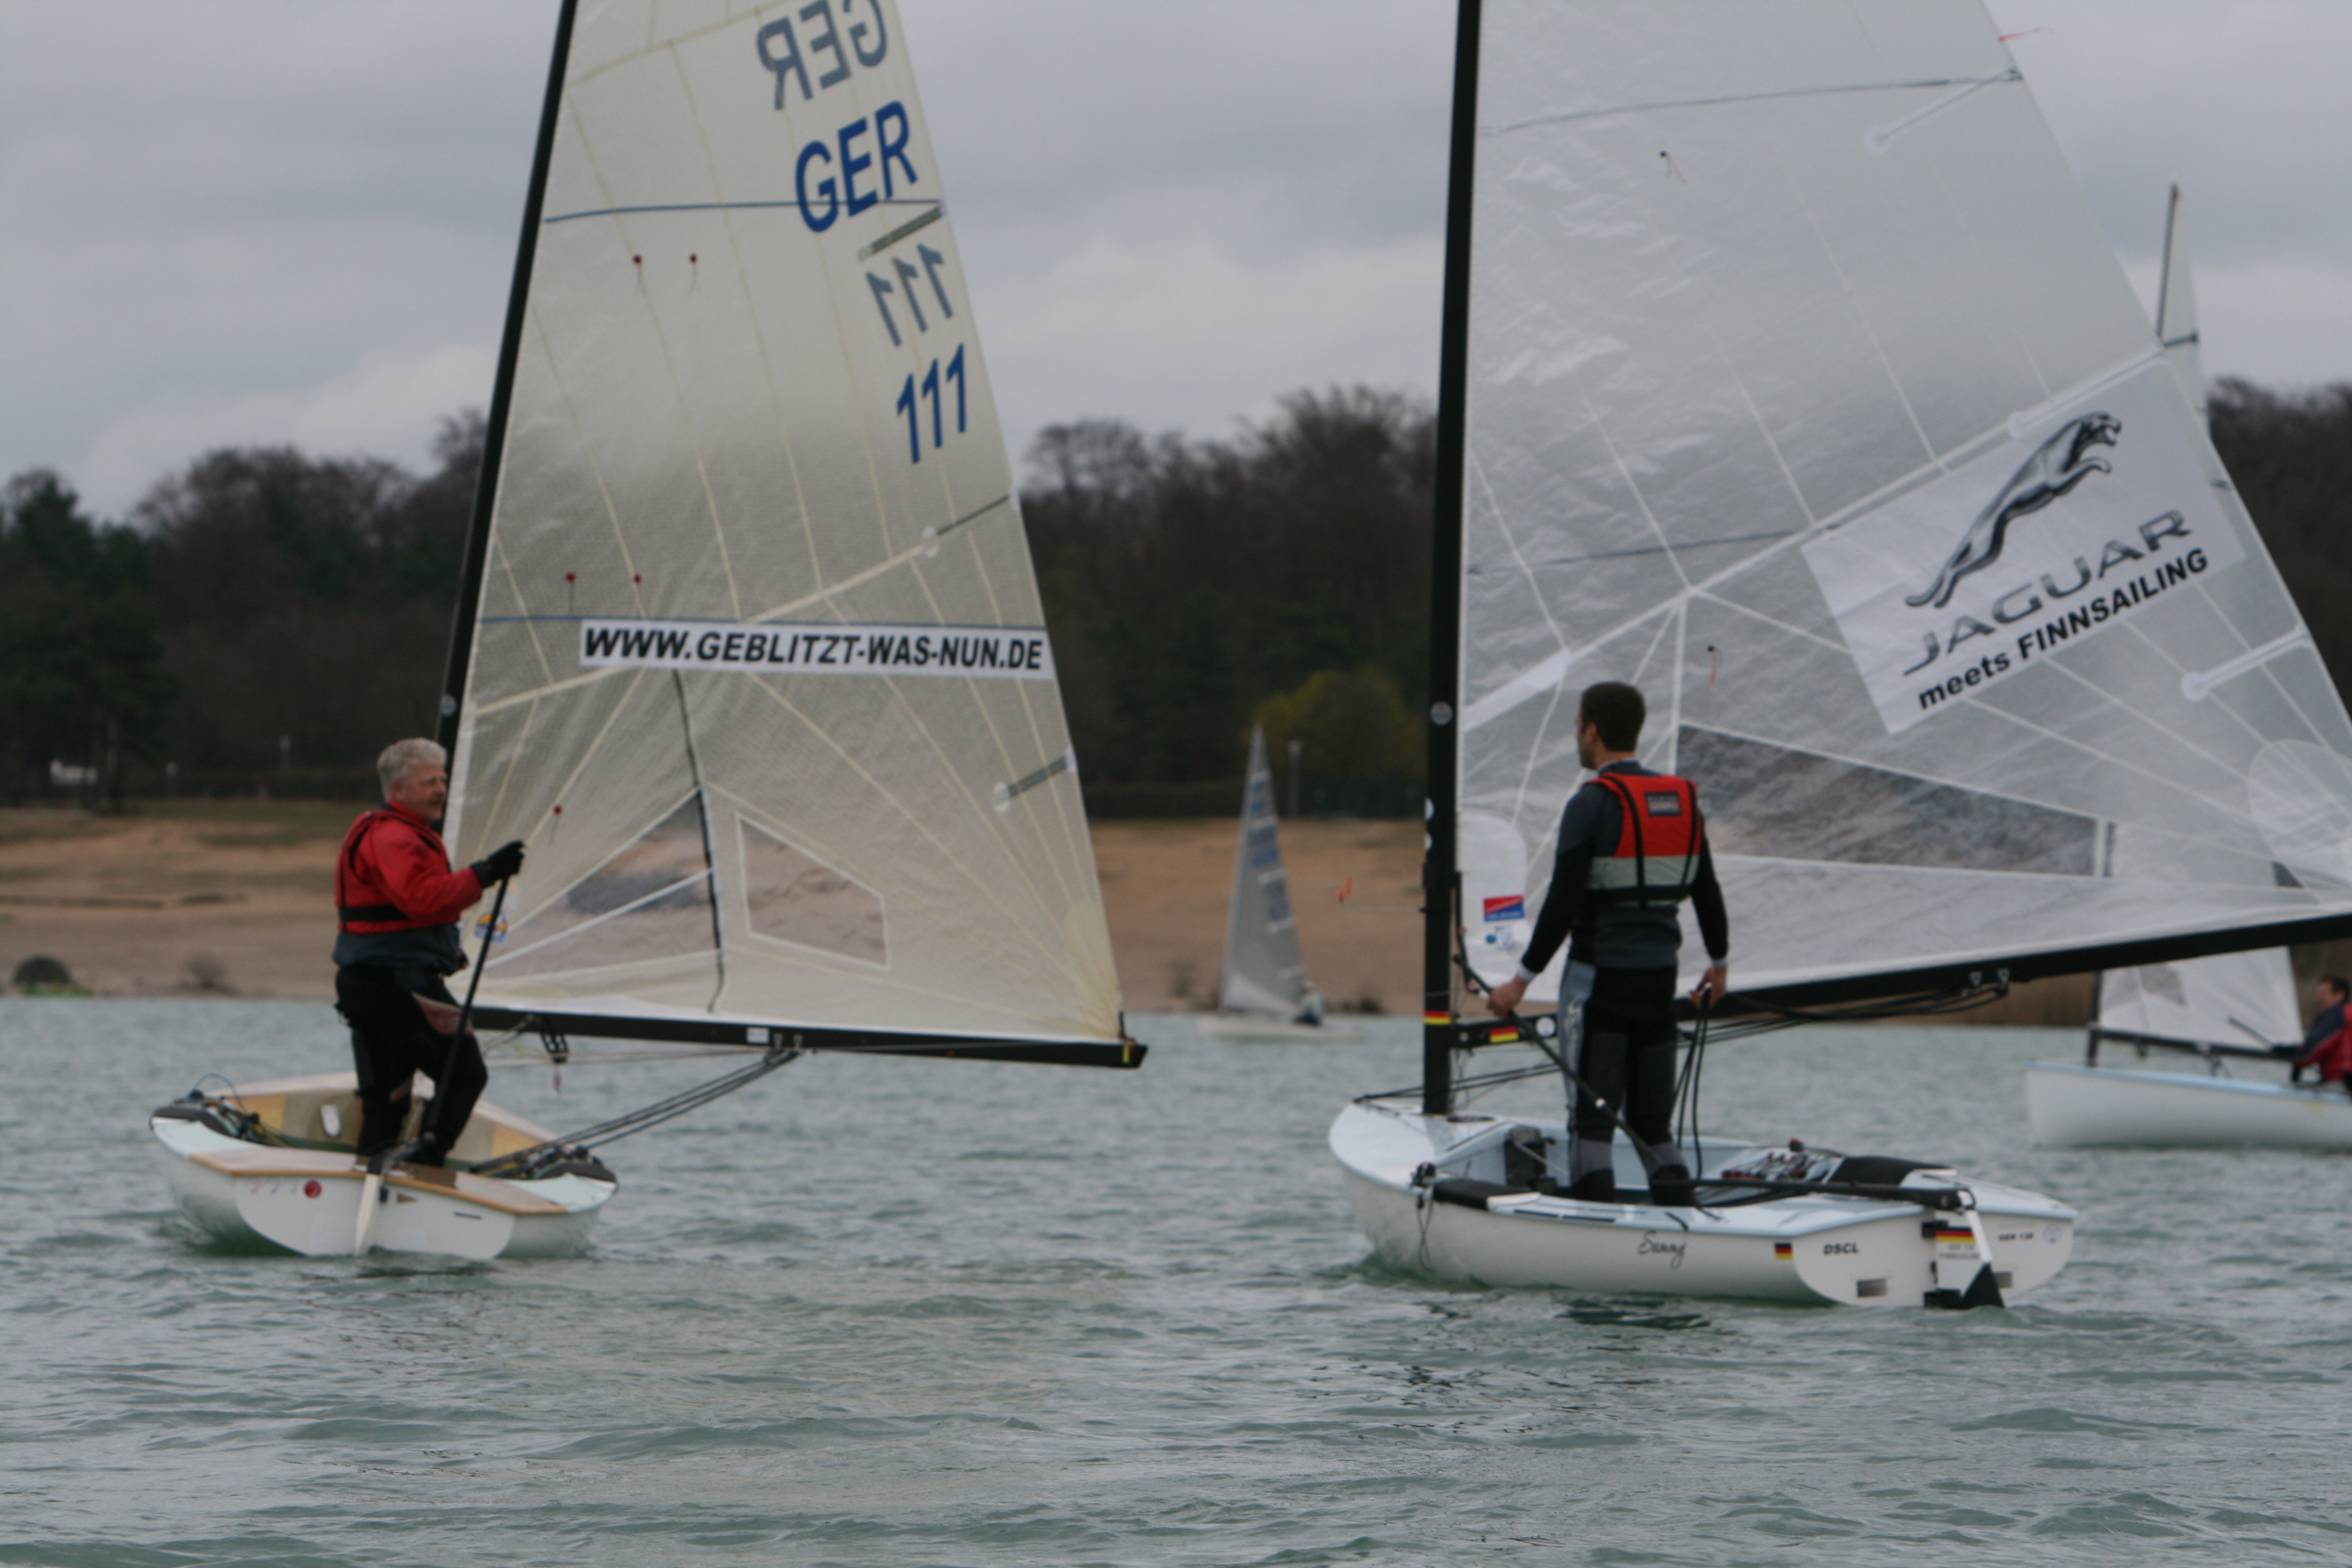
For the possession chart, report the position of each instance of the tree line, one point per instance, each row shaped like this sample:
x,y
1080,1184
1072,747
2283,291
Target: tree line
x,y
268,619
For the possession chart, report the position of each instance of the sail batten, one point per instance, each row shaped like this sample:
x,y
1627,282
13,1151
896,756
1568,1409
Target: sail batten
x,y
1798,385
753,655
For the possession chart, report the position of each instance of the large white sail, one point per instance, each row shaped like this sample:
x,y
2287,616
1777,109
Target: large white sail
x,y
758,666
1803,391
1264,972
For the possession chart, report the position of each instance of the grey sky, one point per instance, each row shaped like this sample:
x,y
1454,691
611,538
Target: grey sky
x,y
263,220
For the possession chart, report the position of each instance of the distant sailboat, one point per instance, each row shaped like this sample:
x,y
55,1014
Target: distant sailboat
x,y
1264,993
2231,1007
1787,375
2226,1011
749,647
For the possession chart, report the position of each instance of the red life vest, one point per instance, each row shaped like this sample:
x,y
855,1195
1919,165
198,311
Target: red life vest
x,y
360,906
1659,838
2332,1055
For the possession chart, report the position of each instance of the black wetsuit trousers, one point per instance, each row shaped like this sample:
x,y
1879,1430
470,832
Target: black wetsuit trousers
x,y
1627,1056
391,1042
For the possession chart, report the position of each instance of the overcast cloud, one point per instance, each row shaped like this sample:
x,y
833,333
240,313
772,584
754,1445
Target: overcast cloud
x,y
254,221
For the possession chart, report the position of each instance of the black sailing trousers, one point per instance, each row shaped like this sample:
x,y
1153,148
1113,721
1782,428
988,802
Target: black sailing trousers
x,y
1627,1055
391,1042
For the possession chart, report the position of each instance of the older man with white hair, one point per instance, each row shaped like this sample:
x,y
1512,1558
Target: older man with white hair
x,y
397,903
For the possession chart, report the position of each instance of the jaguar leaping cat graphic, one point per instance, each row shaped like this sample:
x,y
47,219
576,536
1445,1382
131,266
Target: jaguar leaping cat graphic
x,y
2057,466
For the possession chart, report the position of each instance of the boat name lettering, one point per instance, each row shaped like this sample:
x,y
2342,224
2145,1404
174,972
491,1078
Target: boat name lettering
x,y
1829,1247
789,54
824,202
986,652
1649,1244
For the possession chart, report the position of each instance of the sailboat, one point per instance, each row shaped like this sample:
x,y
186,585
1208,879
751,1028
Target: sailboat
x,y
1787,375
2228,1010
1264,995
749,648
2226,1013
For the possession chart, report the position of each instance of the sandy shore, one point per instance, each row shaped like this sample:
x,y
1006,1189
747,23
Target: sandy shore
x,y
235,898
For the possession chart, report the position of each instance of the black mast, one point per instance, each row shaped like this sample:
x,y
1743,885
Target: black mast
x,y
494,438
1438,875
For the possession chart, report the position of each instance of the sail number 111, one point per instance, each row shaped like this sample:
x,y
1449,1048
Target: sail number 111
x,y
929,387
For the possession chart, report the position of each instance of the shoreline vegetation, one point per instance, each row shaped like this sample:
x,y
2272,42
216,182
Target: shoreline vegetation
x,y
233,898
227,658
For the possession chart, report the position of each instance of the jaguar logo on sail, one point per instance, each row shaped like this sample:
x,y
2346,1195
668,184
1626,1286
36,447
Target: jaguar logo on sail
x,y
2095,516
2044,477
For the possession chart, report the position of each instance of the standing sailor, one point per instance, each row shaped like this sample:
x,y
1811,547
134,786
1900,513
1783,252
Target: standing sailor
x,y
397,903
1631,847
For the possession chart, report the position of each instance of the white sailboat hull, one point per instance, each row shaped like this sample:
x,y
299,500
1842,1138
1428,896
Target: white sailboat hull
x,y
2076,1107
307,1201
1811,1249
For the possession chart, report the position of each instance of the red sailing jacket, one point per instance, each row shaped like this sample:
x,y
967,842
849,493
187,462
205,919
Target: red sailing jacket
x,y
393,875
2332,1055
1659,838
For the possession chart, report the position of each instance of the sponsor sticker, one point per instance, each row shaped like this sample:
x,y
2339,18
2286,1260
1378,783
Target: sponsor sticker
x,y
781,648
2094,515
1510,907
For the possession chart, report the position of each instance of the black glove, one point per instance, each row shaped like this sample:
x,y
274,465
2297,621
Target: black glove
x,y
500,864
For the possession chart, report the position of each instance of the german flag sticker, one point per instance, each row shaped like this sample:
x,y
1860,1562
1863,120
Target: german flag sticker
x,y
1783,1249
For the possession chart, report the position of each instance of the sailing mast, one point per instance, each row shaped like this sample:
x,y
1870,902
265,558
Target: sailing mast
x,y
494,435
1438,877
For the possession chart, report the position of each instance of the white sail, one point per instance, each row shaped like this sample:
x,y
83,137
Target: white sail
x,y
1264,972
2237,998
758,667
2176,308
2241,999
1804,393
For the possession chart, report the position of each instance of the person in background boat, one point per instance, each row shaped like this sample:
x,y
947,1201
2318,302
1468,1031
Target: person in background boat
x,y
397,904
2334,990
1615,887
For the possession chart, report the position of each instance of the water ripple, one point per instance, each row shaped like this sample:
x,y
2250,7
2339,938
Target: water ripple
x,y
880,1312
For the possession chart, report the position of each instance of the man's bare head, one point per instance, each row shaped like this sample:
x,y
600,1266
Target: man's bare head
x,y
415,777
1609,720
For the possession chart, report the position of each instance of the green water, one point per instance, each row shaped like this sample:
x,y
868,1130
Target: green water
x,y
877,1311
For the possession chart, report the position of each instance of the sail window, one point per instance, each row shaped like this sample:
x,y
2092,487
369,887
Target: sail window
x,y
1780,803
651,901
796,898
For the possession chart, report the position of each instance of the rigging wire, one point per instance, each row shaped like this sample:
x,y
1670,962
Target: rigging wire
x,y
654,1115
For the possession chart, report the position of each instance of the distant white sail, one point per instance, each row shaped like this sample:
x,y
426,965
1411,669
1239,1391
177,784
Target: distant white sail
x,y
1264,972
2176,308
758,667
2243,999
1804,392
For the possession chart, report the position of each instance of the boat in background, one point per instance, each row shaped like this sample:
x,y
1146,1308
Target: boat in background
x,y
749,647
1787,374
2224,1010
1264,995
